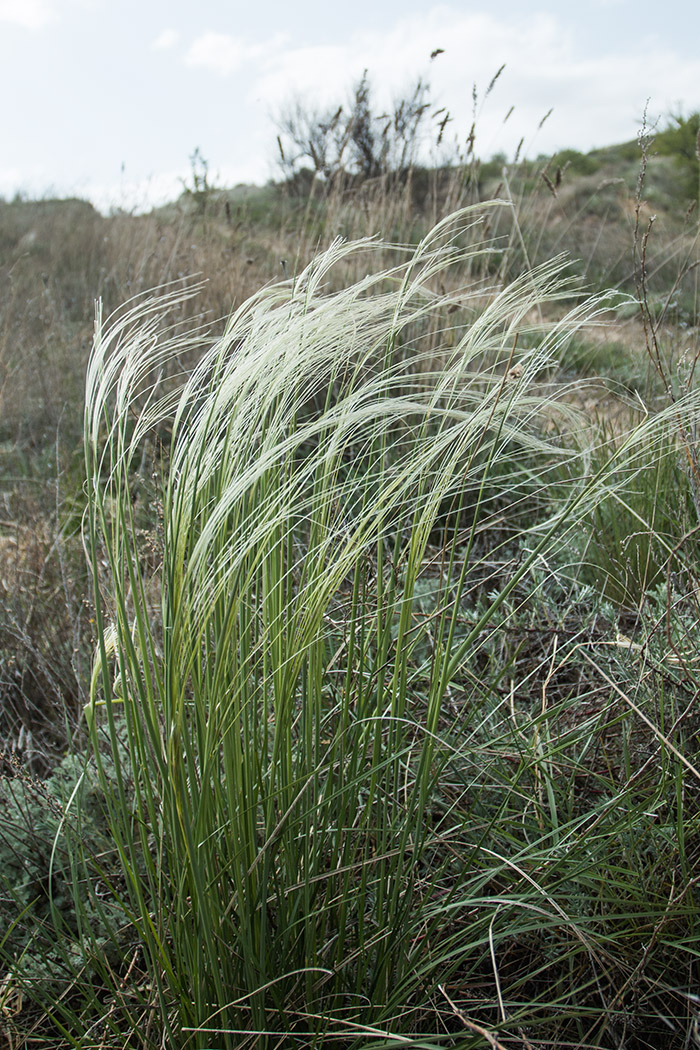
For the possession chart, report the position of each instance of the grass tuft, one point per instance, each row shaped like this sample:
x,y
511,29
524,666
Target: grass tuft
x,y
362,777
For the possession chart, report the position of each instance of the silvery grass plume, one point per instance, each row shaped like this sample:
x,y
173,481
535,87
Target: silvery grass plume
x,y
287,857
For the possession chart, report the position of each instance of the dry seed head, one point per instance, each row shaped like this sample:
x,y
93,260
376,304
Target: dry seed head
x,y
494,78
548,183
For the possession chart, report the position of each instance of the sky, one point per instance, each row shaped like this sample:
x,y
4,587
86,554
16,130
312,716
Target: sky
x,y
108,99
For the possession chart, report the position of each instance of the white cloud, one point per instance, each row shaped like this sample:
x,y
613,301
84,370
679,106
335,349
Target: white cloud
x,y
595,100
475,45
31,14
221,53
35,14
225,54
168,38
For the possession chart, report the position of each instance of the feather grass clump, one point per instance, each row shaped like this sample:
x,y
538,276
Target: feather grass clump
x,y
302,853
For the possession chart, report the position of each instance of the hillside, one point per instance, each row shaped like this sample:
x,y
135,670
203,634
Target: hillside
x,y
349,664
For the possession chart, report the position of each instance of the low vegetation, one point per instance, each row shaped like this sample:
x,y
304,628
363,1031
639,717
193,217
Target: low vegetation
x,y
349,639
